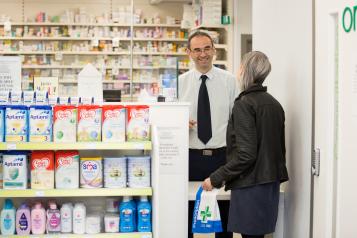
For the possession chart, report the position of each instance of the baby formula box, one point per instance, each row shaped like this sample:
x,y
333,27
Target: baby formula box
x,y
67,169
91,172
89,123
113,126
2,123
138,127
115,172
40,117
65,123
15,170
42,170
16,123
139,172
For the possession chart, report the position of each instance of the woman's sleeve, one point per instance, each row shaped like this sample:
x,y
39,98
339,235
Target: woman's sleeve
x,y
246,146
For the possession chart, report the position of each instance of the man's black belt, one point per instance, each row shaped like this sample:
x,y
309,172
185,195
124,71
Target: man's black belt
x,y
209,152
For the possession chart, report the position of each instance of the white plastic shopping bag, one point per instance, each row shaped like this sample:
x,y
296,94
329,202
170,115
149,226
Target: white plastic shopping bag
x,y
206,216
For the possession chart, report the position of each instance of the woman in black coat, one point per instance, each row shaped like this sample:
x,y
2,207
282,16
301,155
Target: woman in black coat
x,y
255,164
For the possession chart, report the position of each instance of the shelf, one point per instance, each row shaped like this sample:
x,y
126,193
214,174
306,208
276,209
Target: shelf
x,y
146,145
101,235
67,67
160,39
158,25
79,192
64,38
159,53
104,81
99,67
66,24
63,53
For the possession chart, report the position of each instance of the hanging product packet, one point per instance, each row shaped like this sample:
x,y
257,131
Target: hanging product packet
x,y
206,216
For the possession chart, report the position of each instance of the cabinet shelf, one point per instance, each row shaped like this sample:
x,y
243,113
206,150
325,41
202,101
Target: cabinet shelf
x,y
67,24
66,38
101,235
80,192
76,146
160,39
64,52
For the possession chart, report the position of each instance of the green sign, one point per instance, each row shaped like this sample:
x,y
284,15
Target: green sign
x,y
349,19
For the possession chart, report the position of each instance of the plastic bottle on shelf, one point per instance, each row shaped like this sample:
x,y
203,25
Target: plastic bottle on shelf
x,y
66,218
23,220
53,224
144,215
79,218
8,218
38,219
127,215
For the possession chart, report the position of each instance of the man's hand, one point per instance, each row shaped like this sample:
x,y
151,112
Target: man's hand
x,y
192,124
206,185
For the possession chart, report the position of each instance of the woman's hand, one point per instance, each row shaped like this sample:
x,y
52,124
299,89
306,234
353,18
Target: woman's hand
x,y
206,185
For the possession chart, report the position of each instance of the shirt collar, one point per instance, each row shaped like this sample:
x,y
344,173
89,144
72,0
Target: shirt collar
x,y
210,73
251,89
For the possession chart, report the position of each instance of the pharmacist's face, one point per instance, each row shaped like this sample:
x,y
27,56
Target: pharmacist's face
x,y
201,51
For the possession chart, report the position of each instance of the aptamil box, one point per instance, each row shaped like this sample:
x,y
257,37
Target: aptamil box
x,y
16,123
91,172
67,169
65,123
42,170
89,123
40,119
2,123
113,126
138,127
15,170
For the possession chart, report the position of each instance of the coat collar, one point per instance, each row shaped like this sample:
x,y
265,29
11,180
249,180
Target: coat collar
x,y
253,88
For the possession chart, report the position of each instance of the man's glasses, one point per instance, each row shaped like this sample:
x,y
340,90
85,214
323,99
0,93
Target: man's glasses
x,y
206,50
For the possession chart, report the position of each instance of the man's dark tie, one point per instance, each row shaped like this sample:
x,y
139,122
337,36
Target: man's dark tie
x,y
204,127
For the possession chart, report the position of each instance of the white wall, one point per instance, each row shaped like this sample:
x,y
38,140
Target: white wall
x,y
283,30
346,210
242,25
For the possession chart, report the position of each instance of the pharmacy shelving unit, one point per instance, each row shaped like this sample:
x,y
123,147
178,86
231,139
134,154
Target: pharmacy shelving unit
x,y
169,172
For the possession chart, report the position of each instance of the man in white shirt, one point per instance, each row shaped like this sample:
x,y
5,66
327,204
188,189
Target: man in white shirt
x,y
211,92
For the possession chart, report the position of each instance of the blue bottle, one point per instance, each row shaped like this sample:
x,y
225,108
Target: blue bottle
x,y
127,215
144,215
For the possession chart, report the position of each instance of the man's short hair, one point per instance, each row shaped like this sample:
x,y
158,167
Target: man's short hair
x,y
197,34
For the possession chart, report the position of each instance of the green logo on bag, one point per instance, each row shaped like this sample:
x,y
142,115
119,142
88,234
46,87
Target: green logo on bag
x,y
206,213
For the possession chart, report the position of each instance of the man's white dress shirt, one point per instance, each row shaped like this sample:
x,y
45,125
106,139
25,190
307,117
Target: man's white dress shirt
x,y
222,90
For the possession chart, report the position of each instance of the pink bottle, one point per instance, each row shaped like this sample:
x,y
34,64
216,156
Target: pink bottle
x,y
23,220
53,219
38,219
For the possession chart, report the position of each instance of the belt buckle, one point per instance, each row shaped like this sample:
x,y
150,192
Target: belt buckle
x,y
207,152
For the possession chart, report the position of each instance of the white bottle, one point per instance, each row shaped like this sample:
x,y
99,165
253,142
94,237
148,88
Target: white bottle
x,y
66,218
79,218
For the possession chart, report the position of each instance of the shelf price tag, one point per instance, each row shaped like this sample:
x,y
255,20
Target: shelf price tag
x,y
91,146
11,146
138,146
40,193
